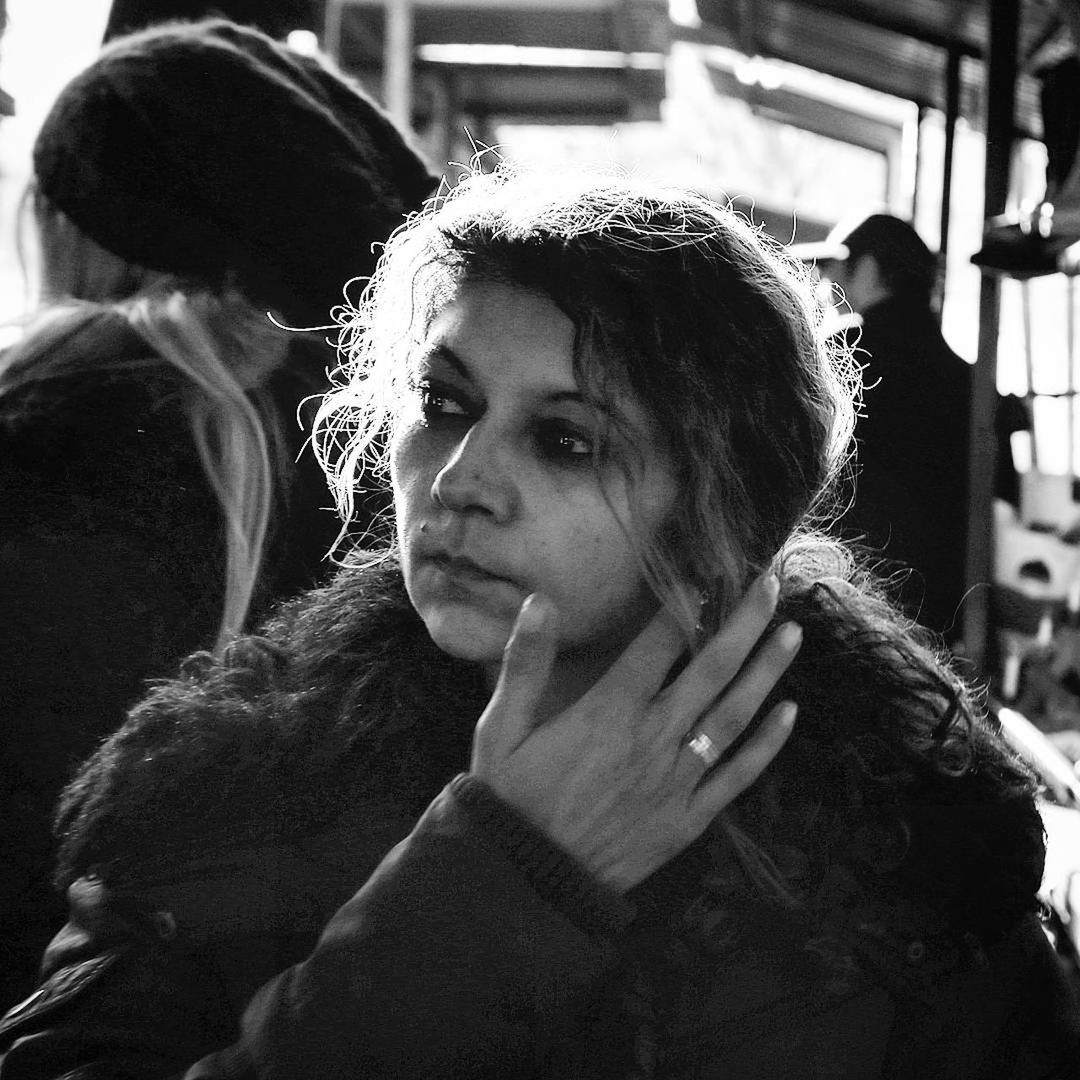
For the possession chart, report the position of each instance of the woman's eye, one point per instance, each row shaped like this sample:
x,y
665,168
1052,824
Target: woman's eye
x,y
561,442
435,402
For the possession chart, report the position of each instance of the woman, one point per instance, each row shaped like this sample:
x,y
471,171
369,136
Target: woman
x,y
191,179
610,417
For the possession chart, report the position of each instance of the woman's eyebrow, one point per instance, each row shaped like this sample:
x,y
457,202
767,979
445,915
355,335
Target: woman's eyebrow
x,y
573,396
443,352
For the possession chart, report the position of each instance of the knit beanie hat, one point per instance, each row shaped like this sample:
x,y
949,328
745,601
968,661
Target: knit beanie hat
x,y
210,151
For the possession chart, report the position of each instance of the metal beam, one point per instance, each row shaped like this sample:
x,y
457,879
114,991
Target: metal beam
x,y
398,61
952,115
867,14
1001,77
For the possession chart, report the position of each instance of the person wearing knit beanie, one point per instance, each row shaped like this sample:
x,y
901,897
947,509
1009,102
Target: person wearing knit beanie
x,y
210,150
202,196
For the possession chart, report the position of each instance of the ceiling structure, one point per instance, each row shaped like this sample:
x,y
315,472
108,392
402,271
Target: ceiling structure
x,y
903,49
603,61
588,61
910,50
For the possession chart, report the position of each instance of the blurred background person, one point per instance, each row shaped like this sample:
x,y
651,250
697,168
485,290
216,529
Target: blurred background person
x,y
911,472
195,186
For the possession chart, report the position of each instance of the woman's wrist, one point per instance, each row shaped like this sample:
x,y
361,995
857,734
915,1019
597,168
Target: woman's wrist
x,y
552,871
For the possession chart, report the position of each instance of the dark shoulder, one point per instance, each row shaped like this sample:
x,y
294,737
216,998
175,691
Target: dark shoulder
x,y
95,394
908,332
343,687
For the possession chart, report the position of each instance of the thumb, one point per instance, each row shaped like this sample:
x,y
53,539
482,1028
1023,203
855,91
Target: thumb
x,y
526,667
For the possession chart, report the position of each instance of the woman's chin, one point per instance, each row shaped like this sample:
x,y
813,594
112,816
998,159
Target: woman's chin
x,y
467,634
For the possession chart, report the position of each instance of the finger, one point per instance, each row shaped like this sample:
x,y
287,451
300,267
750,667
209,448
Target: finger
x,y
696,755
523,677
722,724
726,718
645,663
709,673
727,781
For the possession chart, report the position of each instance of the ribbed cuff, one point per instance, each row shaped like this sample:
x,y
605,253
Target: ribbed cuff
x,y
553,872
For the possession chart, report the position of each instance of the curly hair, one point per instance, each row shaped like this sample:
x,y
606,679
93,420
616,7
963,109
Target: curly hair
x,y
674,298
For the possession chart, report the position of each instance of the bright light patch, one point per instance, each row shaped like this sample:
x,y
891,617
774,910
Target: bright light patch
x,y
303,42
684,13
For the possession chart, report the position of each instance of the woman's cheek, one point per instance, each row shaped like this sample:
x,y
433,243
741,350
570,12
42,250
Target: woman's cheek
x,y
417,454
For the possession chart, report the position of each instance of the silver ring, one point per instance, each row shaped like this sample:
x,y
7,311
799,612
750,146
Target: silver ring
x,y
702,747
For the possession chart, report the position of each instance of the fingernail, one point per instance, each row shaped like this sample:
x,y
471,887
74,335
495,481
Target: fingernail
x,y
536,612
786,716
770,586
791,636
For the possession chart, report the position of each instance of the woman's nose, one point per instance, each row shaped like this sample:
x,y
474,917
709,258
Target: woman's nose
x,y
476,478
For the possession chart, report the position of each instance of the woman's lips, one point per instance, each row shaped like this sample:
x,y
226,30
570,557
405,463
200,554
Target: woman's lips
x,y
464,570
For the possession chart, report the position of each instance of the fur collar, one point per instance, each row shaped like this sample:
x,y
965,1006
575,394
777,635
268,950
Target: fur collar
x,y
345,700
342,696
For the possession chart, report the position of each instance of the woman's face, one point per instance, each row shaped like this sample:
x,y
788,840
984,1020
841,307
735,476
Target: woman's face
x,y
497,493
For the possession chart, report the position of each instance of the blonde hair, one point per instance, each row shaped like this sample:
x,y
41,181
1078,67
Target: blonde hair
x,y
225,349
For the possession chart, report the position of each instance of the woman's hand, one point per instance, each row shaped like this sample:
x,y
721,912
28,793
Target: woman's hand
x,y
612,778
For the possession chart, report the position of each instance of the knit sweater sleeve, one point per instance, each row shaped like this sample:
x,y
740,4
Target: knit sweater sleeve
x,y
465,945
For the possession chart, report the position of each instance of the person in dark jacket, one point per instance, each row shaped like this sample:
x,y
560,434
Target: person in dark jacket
x,y
527,795
196,189
911,470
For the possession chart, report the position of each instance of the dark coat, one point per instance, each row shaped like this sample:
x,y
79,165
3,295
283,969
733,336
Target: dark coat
x,y
112,564
912,438
239,909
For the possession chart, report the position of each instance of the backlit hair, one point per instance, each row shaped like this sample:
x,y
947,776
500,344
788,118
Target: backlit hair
x,y
673,297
